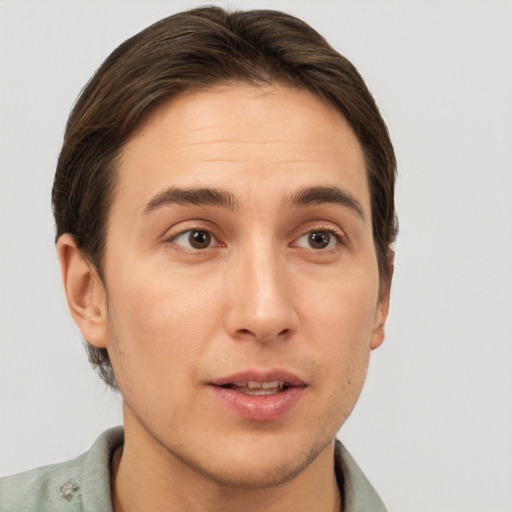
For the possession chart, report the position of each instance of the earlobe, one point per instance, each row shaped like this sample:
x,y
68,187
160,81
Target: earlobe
x,y
84,290
378,336
380,322
381,316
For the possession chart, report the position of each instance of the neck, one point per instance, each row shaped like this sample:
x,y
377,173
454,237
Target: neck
x,y
153,479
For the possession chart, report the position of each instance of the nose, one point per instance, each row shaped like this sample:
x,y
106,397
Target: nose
x,y
261,300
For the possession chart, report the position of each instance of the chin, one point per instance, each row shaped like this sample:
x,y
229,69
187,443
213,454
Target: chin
x,y
256,475
256,468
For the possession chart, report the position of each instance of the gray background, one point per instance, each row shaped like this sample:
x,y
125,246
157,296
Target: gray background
x,y
433,428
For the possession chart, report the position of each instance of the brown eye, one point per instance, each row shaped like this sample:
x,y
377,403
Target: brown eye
x,y
319,239
199,239
194,239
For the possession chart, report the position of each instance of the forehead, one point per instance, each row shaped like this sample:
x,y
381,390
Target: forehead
x,y
241,137
263,111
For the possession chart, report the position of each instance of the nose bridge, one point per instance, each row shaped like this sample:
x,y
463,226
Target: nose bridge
x,y
261,303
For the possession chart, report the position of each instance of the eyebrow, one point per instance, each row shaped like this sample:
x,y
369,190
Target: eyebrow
x,y
332,194
193,196
224,199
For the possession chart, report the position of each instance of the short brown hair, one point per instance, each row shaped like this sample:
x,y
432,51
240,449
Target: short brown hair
x,y
198,49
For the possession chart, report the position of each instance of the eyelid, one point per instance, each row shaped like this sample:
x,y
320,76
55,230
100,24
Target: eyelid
x,y
171,235
339,234
177,231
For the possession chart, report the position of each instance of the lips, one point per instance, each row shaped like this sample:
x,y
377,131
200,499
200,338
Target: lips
x,y
260,377
251,387
259,396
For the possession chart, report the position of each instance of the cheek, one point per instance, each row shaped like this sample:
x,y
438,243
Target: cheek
x,y
340,324
157,330
345,358
344,311
153,304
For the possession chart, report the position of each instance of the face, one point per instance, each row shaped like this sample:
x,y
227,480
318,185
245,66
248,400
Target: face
x,y
241,282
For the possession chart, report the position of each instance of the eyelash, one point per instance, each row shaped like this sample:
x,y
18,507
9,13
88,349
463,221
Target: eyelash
x,y
336,234
198,228
339,236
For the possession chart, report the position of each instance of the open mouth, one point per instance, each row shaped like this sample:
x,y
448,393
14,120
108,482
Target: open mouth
x,y
259,395
250,387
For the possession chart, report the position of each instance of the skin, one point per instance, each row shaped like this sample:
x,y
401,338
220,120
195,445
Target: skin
x,y
174,317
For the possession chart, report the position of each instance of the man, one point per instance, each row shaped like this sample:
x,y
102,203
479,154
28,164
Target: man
x,y
224,211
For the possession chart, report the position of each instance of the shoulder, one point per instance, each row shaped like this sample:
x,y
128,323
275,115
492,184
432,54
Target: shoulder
x,y
82,484
46,488
358,493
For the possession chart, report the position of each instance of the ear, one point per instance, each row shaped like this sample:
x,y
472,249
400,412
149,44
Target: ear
x,y
84,290
383,305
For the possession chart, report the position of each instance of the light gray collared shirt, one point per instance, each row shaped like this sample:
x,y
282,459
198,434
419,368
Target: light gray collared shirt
x,y
83,484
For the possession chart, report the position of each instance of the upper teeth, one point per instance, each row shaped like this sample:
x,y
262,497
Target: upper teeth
x,y
259,385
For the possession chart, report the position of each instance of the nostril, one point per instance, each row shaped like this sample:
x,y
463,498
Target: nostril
x,y
264,337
